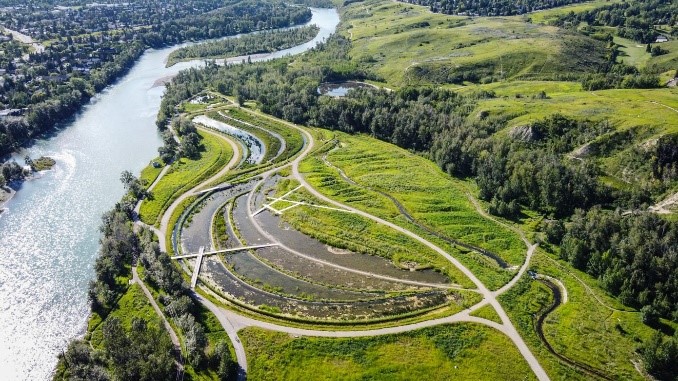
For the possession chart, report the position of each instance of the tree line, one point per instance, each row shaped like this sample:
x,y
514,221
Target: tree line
x,y
142,351
634,20
489,7
264,42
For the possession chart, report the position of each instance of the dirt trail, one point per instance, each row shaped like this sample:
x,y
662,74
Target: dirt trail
x,y
158,311
539,328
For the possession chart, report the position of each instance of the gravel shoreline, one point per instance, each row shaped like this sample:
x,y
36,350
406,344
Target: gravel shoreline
x,y
6,194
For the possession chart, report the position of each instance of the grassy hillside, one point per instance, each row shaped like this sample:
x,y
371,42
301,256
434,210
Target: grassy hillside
x,y
408,45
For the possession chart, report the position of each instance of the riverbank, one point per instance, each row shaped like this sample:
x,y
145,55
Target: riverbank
x,y
6,194
91,151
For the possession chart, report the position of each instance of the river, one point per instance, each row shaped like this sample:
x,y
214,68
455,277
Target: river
x,y
49,234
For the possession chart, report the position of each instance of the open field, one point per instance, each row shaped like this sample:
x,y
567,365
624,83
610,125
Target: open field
x,y
150,173
624,108
132,304
459,352
545,16
408,45
185,174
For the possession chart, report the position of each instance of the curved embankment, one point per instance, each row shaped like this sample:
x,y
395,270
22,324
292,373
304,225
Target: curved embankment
x,y
283,144
411,219
233,321
539,328
160,233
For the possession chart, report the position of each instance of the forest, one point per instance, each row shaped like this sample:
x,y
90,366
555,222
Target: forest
x,y
489,8
264,42
633,20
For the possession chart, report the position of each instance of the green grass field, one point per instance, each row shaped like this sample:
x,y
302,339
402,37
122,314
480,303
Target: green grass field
x,y
459,352
185,174
548,15
433,198
487,312
400,41
624,108
133,304
150,173
584,325
351,231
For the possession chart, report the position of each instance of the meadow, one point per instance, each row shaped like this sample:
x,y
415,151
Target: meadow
x,y
404,44
459,352
588,323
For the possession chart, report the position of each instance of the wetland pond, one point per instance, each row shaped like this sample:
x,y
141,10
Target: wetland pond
x,y
340,89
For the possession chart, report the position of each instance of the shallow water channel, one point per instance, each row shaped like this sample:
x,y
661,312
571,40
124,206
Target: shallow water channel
x,y
255,147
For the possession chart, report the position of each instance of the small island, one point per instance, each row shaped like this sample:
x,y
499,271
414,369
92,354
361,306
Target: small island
x,y
43,163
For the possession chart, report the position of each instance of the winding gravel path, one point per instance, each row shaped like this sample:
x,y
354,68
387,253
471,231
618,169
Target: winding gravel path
x,y
232,321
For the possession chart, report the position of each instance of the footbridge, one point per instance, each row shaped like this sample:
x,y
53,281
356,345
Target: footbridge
x,y
201,253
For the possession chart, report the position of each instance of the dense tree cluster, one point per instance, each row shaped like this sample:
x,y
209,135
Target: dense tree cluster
x,y
660,356
11,171
489,7
635,256
665,158
141,352
264,42
633,19
119,245
185,144
173,20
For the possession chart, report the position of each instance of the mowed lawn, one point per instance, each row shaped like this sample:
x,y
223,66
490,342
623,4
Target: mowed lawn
x,y
186,174
448,352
